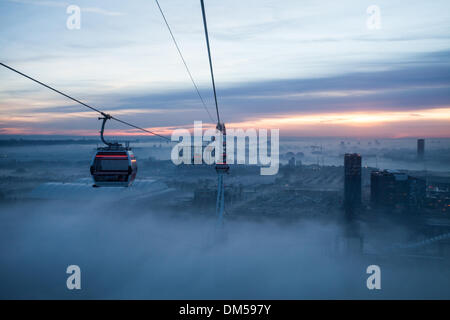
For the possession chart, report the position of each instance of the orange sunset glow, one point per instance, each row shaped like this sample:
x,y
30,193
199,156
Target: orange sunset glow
x,y
378,123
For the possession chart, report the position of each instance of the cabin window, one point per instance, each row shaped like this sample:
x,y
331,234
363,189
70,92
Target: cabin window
x,y
111,164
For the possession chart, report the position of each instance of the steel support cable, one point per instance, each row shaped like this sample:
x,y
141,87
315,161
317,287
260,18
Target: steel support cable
x,y
184,61
82,103
210,61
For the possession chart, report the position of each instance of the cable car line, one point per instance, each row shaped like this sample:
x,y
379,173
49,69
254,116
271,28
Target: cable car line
x,y
139,128
184,61
210,61
82,103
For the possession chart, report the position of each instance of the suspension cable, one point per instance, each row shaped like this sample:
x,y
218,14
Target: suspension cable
x,y
82,103
184,61
210,62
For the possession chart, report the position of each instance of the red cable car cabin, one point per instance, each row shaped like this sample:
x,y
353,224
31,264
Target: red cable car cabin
x,y
113,167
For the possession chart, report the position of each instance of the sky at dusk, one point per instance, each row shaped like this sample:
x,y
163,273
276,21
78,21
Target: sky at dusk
x,y
309,68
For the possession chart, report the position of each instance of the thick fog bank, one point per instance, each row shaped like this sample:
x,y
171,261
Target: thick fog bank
x,y
128,253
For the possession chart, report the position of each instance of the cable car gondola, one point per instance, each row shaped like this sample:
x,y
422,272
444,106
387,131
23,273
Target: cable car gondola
x,y
113,165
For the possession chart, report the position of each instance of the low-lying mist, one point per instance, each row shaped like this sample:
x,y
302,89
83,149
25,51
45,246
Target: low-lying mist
x,y
130,253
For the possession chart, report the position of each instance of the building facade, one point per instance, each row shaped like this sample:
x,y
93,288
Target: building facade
x,y
352,180
392,189
420,148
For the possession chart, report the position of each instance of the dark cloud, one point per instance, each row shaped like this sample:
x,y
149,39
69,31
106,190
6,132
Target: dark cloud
x,y
417,82
421,82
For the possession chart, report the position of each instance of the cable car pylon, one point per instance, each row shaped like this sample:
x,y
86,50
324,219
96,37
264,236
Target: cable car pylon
x,y
222,167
